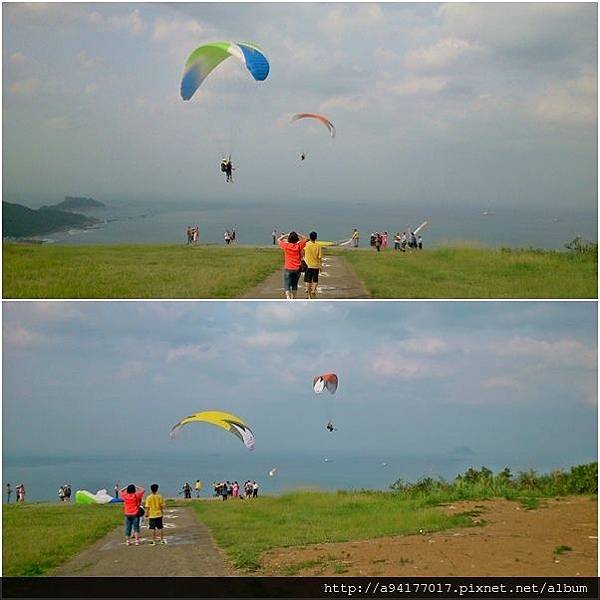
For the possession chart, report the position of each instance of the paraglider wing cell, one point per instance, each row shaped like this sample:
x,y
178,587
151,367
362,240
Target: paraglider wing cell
x,y
203,60
244,433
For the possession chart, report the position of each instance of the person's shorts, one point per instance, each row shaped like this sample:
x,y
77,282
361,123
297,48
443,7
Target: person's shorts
x,y
311,275
155,523
290,279
131,522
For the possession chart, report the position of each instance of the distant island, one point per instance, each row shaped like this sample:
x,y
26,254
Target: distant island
x,y
76,203
19,221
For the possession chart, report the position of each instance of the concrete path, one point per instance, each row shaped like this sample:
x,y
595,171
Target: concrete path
x,y
189,552
336,280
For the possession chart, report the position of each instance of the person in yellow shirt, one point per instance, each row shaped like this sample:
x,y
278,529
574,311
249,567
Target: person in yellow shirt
x,y
198,487
312,258
155,506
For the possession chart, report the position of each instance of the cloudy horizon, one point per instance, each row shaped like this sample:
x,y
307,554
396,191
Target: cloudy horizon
x,y
477,104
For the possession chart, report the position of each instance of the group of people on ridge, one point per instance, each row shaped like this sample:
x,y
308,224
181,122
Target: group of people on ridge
x,y
379,241
20,490
64,493
224,489
193,234
229,237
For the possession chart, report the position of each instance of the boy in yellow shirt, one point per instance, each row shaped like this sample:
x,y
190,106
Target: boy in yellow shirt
x,y
155,506
312,258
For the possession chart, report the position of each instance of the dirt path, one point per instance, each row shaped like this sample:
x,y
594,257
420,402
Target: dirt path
x,y
336,280
189,552
511,542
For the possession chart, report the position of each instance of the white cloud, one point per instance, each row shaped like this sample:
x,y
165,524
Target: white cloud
x,y
347,19
439,55
87,61
58,123
565,351
168,29
572,101
131,368
502,383
350,102
25,87
132,23
54,311
270,339
18,336
420,86
398,367
192,351
423,345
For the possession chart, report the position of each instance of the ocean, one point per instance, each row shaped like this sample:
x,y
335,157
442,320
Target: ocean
x,y
165,222
43,475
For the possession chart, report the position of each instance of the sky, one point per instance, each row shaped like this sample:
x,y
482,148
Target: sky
x,y
477,104
515,380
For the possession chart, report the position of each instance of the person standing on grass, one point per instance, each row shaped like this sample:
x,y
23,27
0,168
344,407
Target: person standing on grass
x,y
274,236
198,487
312,258
403,242
20,493
116,488
378,240
155,506
8,493
420,243
292,246
61,493
254,489
384,240
355,238
132,501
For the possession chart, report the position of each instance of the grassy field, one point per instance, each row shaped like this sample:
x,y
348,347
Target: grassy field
x,y
133,271
299,518
475,273
38,537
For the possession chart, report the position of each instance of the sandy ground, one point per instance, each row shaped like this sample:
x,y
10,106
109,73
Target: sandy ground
x,y
189,551
511,542
336,280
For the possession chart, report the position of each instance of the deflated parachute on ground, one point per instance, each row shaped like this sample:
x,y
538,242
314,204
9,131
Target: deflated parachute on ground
x,y
100,497
328,381
204,59
224,420
319,118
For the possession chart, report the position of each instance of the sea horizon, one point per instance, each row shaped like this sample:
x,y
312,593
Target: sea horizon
x,y
43,475
164,222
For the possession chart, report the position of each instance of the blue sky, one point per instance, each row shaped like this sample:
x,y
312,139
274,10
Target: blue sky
x,y
472,103
508,379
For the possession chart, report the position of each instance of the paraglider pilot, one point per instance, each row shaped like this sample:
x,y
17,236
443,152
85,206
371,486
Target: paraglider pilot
x,y
227,168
